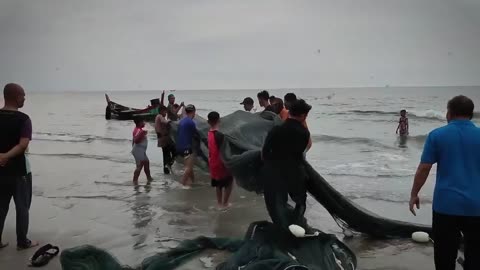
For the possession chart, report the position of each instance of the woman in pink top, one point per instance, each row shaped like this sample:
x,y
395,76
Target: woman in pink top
x,y
139,150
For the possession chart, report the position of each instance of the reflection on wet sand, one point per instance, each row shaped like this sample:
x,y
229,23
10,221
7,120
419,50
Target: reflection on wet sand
x,y
142,213
402,141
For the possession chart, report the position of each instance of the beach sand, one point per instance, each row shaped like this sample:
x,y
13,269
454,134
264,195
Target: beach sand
x,y
153,220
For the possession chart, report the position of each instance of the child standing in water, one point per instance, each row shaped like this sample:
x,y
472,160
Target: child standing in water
x,y
222,179
403,124
139,150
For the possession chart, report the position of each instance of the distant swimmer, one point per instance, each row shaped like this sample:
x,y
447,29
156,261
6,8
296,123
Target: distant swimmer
x,y
139,150
403,127
248,105
455,148
284,171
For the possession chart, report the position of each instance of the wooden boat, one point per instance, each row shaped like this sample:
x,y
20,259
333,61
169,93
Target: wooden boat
x,y
120,112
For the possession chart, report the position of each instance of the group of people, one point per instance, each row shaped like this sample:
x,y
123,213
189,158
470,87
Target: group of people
x,y
455,148
186,144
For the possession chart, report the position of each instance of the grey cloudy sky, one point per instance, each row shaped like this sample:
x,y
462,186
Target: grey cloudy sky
x,y
151,44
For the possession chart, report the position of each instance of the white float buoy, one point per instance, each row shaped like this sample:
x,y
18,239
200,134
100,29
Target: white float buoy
x,y
347,233
420,237
297,230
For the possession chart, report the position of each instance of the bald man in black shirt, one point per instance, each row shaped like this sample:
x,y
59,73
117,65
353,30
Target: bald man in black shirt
x,y
284,170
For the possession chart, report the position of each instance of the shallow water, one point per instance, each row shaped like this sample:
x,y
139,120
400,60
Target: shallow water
x,y
82,165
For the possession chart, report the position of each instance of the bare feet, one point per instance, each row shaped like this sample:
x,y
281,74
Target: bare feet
x,y
150,179
29,244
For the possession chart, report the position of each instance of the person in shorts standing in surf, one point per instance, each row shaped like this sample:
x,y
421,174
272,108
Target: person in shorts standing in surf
x,y
222,179
139,150
403,127
162,127
187,132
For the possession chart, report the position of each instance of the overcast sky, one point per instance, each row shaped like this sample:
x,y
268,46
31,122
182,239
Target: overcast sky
x,y
152,44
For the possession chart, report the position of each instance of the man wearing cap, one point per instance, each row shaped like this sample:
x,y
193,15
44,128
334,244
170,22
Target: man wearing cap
x,y
284,172
187,131
248,105
172,112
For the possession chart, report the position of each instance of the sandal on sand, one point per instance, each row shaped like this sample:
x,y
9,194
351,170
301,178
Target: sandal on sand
x,y
2,245
29,244
43,255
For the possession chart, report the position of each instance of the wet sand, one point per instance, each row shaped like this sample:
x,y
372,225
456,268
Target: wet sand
x,y
73,207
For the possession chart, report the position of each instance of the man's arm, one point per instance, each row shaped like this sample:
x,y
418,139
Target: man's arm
x,y
429,157
162,98
21,147
158,122
179,108
309,145
421,176
17,150
267,145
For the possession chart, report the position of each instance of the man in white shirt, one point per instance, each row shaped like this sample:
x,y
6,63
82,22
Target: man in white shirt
x,y
162,127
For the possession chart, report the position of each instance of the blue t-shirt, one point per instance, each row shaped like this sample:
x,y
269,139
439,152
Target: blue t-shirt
x,y
456,150
185,133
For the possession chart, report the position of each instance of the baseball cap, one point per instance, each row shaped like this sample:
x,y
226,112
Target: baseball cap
x,y
190,108
247,101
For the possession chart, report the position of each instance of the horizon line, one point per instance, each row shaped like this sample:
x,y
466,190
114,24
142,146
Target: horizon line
x,y
270,89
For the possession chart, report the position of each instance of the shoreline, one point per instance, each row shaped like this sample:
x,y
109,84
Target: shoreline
x,y
56,222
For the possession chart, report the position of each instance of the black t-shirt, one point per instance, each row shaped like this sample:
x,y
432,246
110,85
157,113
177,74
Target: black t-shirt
x,y
14,125
286,142
269,108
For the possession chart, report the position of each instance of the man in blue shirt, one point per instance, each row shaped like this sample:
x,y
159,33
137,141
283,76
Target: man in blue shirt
x,y
186,132
455,148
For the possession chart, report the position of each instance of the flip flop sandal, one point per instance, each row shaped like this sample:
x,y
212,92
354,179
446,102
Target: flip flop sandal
x,y
43,255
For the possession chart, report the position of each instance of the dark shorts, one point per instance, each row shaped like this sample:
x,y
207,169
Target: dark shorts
x,y
185,154
222,183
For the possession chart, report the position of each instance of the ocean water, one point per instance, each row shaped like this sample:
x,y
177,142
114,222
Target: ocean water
x,y
78,156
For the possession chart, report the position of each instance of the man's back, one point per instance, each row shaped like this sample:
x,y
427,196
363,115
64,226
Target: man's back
x,y
286,142
456,150
185,133
14,126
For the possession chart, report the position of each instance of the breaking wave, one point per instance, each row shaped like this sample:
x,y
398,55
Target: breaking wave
x,y
65,137
351,140
413,114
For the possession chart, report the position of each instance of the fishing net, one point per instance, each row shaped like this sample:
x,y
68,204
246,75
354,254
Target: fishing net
x,y
264,247
244,137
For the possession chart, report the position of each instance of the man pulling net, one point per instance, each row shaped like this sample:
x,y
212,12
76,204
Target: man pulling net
x,y
284,171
